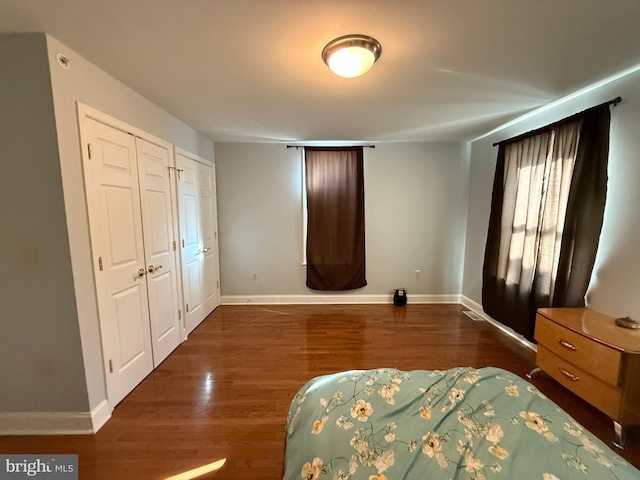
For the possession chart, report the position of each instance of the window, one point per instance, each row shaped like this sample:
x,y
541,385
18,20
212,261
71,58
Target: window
x,y
546,215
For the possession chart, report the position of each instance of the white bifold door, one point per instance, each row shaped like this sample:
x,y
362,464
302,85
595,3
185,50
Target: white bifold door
x,y
198,238
132,218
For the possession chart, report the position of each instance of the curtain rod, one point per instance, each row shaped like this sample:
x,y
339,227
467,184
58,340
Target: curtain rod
x,y
320,146
614,102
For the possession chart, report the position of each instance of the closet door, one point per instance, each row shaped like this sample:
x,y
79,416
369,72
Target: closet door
x,y
157,219
209,216
199,239
190,234
113,199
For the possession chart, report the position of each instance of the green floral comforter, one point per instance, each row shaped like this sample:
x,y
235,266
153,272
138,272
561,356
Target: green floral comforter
x,y
461,423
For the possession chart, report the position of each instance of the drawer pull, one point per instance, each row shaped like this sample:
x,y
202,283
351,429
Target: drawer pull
x,y
566,344
570,375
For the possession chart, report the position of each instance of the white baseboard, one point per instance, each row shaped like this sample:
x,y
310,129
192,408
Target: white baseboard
x,y
477,308
330,299
474,307
55,423
100,415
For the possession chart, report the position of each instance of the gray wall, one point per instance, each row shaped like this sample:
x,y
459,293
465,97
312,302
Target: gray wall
x,y
50,349
86,83
415,207
40,352
616,276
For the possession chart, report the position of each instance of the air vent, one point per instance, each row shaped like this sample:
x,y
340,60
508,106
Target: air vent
x,y
473,315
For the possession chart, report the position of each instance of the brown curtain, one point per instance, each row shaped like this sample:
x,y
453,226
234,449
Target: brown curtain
x,y
546,216
335,218
585,210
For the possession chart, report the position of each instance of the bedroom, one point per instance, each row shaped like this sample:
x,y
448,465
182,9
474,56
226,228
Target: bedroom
x,y
450,259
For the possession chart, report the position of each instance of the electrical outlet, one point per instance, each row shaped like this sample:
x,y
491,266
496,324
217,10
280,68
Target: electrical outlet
x,y
417,275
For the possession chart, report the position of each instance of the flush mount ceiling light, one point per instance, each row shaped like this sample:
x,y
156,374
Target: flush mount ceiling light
x,y
350,56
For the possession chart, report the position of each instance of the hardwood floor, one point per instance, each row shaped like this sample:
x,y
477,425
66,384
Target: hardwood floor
x,y
225,392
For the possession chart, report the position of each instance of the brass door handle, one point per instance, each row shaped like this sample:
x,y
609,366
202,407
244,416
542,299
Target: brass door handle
x,y
141,273
154,269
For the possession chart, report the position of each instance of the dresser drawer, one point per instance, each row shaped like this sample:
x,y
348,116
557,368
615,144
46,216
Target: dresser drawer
x,y
601,395
585,353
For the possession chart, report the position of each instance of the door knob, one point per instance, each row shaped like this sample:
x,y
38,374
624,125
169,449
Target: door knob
x,y
154,269
205,249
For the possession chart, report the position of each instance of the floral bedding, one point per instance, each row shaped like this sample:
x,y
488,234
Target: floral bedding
x,y
461,423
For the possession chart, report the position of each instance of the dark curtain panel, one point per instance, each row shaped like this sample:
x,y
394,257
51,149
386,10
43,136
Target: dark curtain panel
x,y
335,218
585,210
546,215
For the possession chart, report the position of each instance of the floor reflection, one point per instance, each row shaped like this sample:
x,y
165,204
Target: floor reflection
x,y
207,386
198,472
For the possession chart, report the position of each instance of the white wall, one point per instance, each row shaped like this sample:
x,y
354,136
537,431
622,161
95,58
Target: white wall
x,y
415,208
616,276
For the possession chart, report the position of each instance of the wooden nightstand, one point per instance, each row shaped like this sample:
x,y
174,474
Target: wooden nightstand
x,y
594,358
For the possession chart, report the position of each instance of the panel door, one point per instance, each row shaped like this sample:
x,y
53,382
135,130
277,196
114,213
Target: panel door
x,y
113,200
190,241
158,229
209,216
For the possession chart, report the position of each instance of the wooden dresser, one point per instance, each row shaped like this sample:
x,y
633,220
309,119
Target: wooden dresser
x,y
594,358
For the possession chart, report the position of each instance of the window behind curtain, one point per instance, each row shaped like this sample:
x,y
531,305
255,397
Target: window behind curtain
x,y
547,208
335,218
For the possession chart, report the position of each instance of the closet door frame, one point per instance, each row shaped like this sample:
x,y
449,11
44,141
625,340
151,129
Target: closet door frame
x,y
87,112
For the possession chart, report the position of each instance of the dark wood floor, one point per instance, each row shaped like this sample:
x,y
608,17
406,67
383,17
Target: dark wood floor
x,y
225,392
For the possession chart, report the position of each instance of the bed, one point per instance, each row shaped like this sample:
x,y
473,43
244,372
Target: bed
x,y
462,423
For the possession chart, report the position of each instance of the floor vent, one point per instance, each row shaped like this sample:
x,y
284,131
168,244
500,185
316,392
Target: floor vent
x,y
473,315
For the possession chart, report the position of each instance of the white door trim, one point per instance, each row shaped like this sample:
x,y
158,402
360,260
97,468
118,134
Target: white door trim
x,y
90,112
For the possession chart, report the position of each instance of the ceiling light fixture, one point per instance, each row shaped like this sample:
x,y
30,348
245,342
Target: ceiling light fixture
x,y
350,56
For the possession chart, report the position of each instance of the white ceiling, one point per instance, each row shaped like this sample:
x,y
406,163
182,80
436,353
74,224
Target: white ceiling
x,y
250,70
